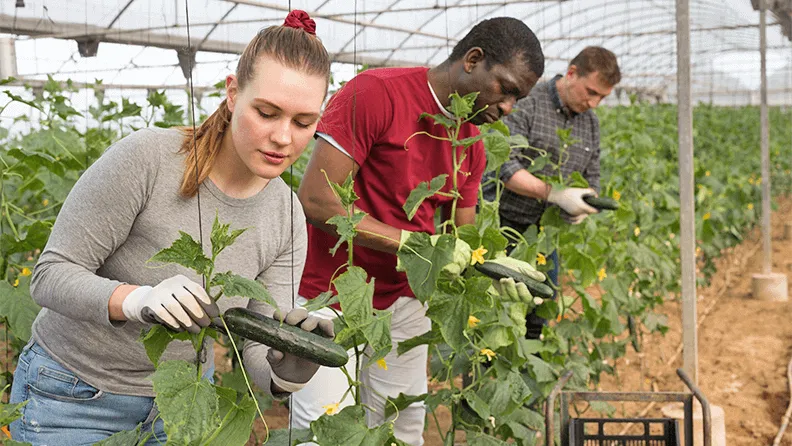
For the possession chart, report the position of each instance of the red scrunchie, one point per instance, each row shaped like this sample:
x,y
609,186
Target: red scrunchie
x,y
301,20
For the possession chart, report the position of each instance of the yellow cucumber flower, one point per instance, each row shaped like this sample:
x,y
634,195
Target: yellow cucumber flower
x,y
478,255
331,409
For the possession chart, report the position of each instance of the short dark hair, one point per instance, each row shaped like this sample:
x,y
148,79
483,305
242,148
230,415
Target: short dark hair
x,y
503,39
598,59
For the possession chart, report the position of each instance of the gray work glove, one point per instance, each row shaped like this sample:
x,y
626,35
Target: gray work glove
x,y
177,303
290,373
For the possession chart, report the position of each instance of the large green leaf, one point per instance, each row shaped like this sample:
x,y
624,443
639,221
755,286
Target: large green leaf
x,y
356,296
124,438
421,192
280,437
378,335
542,370
481,439
401,402
423,261
157,338
498,150
450,313
234,285
430,337
488,215
187,252
348,428
187,403
236,418
470,235
18,308
493,241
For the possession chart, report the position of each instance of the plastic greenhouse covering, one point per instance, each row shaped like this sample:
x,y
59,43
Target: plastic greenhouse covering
x,y
139,40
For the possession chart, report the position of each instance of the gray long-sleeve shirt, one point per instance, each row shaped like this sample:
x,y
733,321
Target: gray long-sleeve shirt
x,y
537,117
124,209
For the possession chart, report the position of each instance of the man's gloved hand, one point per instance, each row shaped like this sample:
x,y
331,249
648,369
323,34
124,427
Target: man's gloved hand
x,y
177,303
573,220
461,257
507,288
290,373
510,290
571,200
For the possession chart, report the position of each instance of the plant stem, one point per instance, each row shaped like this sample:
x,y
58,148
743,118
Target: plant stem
x,y
244,375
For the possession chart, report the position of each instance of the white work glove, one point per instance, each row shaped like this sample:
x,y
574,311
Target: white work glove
x,y
508,289
177,303
461,258
290,373
571,200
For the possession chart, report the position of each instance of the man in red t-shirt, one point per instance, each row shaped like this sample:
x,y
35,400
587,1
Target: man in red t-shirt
x,y
365,130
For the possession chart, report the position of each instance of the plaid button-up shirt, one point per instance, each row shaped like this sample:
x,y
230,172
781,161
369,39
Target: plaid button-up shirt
x,y
537,117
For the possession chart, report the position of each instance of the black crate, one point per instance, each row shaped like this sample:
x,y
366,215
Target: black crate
x,y
595,432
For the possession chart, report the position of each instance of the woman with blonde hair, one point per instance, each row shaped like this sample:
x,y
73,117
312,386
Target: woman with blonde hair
x,y
84,373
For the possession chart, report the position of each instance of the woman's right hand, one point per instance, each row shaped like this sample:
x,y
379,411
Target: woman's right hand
x,y
177,303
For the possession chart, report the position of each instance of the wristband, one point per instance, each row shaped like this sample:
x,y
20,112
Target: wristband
x,y
286,386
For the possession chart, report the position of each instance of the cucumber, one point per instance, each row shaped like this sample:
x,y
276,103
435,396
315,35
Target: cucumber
x,y
601,203
284,337
496,271
636,343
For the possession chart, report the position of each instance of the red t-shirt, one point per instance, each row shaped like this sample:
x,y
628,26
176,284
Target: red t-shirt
x,y
372,117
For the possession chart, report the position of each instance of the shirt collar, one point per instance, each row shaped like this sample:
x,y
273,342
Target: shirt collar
x,y
558,104
447,113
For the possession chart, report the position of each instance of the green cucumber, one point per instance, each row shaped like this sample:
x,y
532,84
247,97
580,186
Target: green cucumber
x,y
496,271
601,203
284,337
636,343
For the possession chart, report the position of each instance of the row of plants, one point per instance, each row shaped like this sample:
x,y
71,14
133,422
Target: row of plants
x,y
615,268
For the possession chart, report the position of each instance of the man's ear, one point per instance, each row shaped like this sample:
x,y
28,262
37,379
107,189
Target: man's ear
x,y
473,57
572,70
232,89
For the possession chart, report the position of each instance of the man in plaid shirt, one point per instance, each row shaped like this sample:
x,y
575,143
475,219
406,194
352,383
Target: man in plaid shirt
x,y
563,102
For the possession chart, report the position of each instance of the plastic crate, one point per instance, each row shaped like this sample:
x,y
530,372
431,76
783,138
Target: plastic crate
x,y
596,432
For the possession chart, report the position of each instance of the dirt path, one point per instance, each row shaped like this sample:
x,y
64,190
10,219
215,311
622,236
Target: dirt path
x,y
744,344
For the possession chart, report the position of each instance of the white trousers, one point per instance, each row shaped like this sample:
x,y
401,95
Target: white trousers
x,y
405,374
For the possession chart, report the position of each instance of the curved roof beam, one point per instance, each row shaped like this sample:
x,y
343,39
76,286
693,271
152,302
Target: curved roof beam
x,y
315,14
426,22
460,34
501,3
358,32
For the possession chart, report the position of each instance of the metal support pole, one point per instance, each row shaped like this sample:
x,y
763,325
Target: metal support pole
x,y
767,259
687,223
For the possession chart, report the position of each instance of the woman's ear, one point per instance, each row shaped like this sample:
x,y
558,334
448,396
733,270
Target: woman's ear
x,y
232,89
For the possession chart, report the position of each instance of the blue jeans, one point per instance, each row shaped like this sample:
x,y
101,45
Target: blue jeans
x,y
64,410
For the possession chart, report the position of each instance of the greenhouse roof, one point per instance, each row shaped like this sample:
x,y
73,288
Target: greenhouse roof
x,y
138,37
